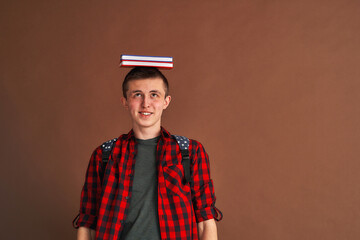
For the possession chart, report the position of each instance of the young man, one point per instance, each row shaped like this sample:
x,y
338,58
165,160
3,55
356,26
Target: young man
x,y
142,193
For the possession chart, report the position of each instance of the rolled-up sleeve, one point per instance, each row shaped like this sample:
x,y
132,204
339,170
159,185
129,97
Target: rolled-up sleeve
x,y
202,187
91,192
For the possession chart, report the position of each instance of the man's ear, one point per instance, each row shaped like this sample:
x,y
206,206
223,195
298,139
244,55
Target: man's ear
x,y
124,102
167,101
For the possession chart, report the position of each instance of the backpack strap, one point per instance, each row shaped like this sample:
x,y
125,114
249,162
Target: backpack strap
x,y
106,151
184,143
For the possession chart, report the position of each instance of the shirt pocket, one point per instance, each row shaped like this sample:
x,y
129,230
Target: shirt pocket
x,y
175,180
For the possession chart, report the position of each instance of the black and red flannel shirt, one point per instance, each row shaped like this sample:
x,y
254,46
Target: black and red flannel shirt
x,y
181,206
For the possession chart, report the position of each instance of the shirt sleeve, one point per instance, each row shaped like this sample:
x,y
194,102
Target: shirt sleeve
x,y
202,188
91,192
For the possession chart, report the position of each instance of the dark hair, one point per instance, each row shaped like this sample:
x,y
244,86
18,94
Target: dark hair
x,y
142,73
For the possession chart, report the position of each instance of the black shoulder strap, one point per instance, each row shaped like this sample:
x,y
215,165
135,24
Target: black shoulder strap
x,y
106,151
184,143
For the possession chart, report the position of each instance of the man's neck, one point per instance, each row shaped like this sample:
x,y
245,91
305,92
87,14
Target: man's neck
x,y
146,133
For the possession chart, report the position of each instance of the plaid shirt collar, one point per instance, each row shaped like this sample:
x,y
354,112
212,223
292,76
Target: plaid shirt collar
x,y
164,135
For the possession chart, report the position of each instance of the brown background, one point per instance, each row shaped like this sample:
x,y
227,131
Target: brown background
x,y
271,88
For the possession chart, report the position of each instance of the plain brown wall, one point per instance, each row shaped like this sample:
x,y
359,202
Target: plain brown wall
x,y
271,88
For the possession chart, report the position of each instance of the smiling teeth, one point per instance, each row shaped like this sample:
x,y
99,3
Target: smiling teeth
x,y
146,113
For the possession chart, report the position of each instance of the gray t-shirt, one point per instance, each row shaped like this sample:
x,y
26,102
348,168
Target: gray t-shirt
x,y
142,221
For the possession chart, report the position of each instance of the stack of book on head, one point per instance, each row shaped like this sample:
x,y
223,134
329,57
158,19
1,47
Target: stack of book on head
x,y
146,61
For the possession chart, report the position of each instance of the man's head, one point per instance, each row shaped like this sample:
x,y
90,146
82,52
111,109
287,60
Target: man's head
x,y
143,73
145,97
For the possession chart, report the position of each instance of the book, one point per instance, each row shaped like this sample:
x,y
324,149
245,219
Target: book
x,y
146,64
146,58
146,61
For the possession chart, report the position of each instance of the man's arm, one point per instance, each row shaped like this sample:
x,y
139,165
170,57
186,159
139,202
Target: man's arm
x,y
90,198
207,230
202,191
85,233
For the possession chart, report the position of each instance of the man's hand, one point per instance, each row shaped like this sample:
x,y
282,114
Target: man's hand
x,y
84,233
207,230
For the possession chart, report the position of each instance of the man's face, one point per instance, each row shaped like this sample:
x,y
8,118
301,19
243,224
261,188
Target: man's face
x,y
145,102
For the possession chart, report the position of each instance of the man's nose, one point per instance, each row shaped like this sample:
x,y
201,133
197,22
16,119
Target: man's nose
x,y
146,101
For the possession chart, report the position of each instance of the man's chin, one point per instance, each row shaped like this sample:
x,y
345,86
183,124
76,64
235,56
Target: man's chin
x,y
146,124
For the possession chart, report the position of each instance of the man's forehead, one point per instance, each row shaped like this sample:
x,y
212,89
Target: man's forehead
x,y
147,84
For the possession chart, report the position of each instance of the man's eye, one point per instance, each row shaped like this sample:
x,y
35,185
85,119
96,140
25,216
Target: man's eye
x,y
154,95
137,95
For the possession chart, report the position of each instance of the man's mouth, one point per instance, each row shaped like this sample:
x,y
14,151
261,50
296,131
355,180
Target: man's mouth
x,y
145,113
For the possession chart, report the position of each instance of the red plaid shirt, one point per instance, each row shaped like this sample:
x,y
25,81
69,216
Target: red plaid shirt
x,y
104,206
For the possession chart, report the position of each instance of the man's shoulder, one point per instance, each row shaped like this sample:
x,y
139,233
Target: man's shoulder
x,y
109,143
193,144
175,139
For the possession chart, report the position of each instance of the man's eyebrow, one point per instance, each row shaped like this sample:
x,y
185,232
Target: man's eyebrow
x,y
151,91
136,91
